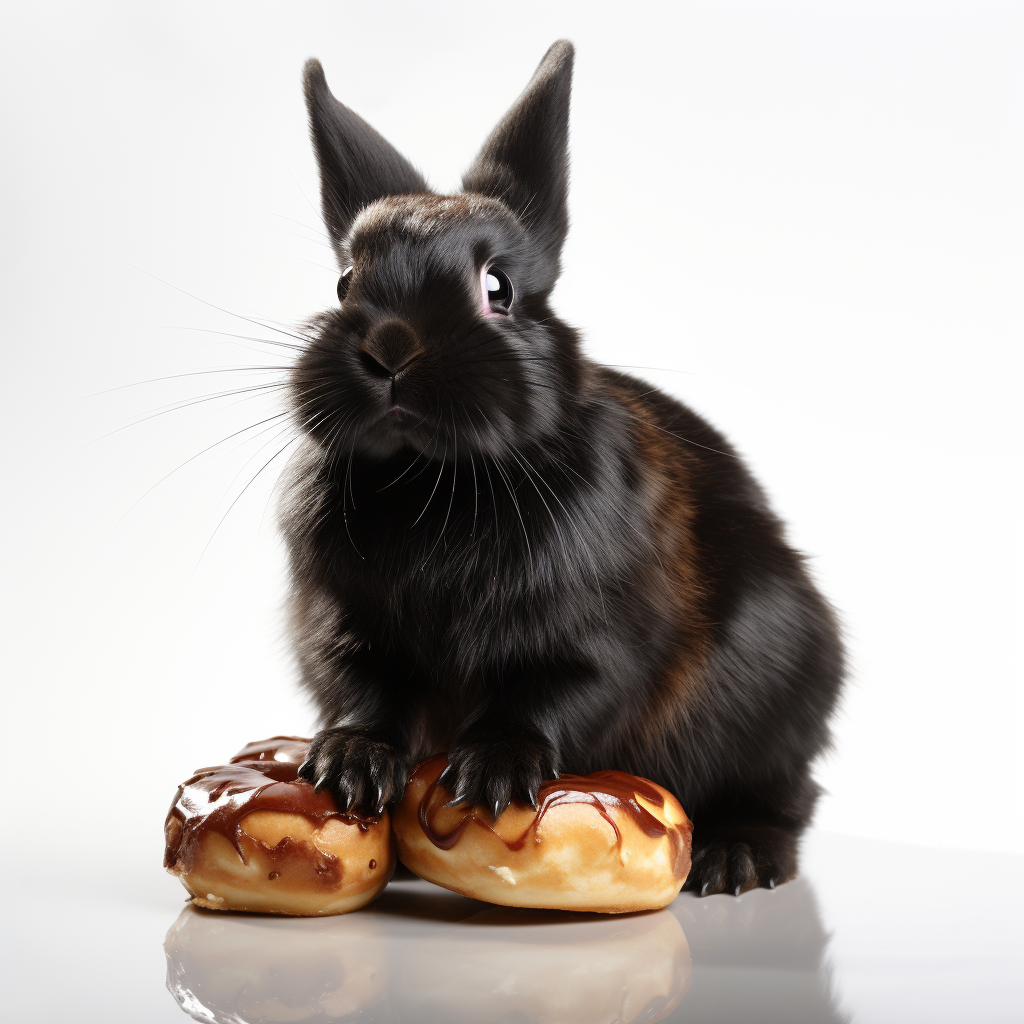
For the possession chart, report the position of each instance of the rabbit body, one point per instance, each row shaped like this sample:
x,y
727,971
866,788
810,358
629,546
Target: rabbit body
x,y
502,550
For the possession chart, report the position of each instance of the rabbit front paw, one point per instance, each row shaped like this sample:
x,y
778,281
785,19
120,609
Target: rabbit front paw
x,y
496,771
356,770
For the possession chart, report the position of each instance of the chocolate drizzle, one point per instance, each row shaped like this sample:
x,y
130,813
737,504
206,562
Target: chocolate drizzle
x,y
606,792
263,776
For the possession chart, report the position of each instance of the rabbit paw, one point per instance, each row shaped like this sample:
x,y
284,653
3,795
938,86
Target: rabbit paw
x,y
737,859
494,772
356,770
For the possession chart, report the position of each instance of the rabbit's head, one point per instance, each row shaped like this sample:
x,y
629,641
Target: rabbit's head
x,y
443,342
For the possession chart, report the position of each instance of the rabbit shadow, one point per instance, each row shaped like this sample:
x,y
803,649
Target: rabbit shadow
x,y
760,956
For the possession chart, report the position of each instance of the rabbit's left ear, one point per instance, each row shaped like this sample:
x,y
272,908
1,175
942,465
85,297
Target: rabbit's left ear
x,y
525,160
357,165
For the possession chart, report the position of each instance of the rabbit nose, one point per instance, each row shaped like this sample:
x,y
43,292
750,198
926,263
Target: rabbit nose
x,y
389,348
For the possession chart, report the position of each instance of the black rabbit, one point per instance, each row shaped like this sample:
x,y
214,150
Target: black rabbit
x,y
503,550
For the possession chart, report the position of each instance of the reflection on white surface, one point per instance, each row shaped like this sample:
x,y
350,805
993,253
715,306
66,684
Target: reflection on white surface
x,y
873,933
760,957
427,955
233,968
507,965
424,954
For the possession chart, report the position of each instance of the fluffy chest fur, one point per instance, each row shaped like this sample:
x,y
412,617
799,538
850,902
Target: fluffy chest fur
x,y
461,568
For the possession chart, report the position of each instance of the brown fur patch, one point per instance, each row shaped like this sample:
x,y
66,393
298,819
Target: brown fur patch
x,y
666,467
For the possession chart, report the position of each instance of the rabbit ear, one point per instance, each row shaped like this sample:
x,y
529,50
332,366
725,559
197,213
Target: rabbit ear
x,y
357,166
525,160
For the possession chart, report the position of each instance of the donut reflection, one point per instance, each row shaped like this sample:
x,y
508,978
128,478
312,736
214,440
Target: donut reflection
x,y
563,969
423,954
231,969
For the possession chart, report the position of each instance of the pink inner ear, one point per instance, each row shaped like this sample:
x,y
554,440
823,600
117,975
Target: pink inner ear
x,y
486,305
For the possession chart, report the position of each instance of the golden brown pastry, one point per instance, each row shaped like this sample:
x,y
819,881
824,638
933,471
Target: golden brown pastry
x,y
252,835
607,842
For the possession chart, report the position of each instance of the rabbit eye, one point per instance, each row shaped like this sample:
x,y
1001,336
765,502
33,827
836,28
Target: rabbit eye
x,y
343,282
497,290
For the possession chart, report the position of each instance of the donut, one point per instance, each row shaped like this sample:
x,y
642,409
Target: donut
x,y
608,842
252,835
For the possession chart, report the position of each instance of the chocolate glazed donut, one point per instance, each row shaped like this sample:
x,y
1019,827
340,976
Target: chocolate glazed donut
x,y
252,835
505,551
608,842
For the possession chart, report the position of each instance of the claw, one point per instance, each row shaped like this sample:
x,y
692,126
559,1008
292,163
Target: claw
x,y
704,888
737,890
497,809
344,796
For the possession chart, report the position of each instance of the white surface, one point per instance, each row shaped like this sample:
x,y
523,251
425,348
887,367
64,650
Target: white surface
x,y
874,933
812,211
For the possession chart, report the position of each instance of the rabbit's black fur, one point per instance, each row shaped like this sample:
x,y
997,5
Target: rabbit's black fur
x,y
505,551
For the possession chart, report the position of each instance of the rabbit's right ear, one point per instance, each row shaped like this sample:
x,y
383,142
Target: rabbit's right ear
x,y
357,165
525,160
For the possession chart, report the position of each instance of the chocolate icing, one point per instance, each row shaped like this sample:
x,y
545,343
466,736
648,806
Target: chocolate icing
x,y
263,776
290,749
608,792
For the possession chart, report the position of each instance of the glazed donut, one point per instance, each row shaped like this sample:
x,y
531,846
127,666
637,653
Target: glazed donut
x,y
607,842
252,835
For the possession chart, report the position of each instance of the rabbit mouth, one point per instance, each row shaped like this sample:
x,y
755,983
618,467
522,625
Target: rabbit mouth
x,y
402,417
400,424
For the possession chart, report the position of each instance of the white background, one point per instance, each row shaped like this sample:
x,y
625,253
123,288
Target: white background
x,y
809,215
